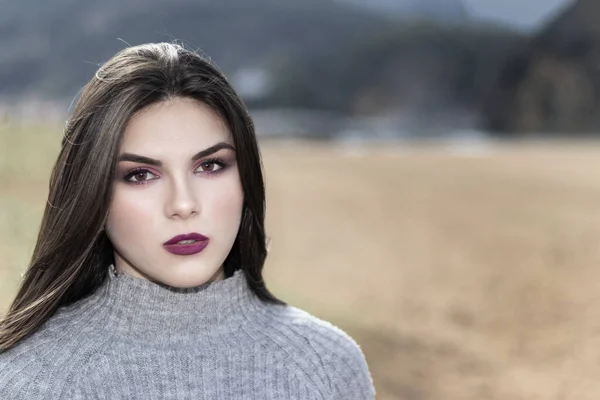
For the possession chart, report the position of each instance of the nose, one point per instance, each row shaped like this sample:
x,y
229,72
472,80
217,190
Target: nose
x,y
182,201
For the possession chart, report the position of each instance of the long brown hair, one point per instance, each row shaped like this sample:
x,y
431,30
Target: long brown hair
x,y
72,253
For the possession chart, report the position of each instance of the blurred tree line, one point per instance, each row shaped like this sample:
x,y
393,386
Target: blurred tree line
x,y
544,83
52,48
419,66
551,83
326,55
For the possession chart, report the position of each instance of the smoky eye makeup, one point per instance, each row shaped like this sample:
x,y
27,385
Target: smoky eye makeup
x,y
208,167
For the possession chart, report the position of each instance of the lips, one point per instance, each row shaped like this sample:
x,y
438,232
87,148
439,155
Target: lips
x,y
188,236
188,248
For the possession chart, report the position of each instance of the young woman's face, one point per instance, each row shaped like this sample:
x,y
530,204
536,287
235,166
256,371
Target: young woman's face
x,y
175,192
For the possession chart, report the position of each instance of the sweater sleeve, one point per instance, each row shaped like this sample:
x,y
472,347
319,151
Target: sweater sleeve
x,y
40,367
350,377
336,358
25,376
76,392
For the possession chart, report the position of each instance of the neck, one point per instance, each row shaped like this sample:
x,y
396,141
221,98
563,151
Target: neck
x,y
141,309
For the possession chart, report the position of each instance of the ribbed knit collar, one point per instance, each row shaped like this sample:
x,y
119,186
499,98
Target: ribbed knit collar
x,y
136,308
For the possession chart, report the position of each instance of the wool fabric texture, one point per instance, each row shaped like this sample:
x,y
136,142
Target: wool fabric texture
x,y
135,339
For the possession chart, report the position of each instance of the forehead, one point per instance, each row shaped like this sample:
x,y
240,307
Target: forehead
x,y
180,125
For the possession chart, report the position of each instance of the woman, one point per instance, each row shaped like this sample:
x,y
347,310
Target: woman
x,y
146,278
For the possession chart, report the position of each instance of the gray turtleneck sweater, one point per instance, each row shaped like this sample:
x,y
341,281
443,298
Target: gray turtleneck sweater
x,y
134,339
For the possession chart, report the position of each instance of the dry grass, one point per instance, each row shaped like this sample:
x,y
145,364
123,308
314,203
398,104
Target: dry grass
x,y
462,277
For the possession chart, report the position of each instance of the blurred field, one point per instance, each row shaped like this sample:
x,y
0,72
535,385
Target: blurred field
x,y
462,275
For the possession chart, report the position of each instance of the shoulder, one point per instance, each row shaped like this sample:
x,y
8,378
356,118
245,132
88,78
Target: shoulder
x,y
323,350
44,364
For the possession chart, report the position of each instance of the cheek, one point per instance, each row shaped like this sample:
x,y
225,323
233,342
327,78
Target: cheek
x,y
225,203
129,214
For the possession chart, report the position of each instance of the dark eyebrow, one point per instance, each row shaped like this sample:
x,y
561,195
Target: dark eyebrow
x,y
147,160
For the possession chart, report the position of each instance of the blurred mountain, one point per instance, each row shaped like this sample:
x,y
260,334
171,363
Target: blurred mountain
x,y
410,62
53,47
552,83
437,74
438,10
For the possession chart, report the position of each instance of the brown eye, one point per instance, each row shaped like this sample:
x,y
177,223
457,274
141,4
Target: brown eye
x,y
140,176
208,166
211,166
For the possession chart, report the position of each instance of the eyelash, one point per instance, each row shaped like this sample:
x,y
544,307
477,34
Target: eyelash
x,y
132,173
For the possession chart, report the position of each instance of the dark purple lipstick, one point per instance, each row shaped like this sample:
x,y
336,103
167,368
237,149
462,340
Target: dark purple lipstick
x,y
187,244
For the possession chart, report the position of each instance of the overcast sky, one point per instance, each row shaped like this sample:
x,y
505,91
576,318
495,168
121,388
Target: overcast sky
x,y
526,14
